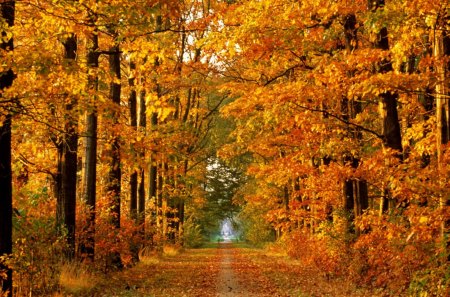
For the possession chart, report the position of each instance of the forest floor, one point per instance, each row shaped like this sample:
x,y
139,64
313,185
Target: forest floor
x,y
223,270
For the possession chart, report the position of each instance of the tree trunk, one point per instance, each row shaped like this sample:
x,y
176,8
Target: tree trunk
x,y
115,174
388,105
154,189
90,174
6,80
132,104
164,173
67,167
159,196
391,125
355,191
441,50
153,183
6,197
153,175
113,148
141,189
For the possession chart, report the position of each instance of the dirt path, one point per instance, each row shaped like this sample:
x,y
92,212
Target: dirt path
x,y
225,271
227,283
239,276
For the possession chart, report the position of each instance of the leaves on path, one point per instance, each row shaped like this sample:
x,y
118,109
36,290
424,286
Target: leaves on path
x,y
197,272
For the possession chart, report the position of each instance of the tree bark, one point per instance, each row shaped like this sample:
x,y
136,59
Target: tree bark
x,y
153,174
355,198
391,124
141,188
388,106
6,198
113,148
153,182
90,174
67,167
154,188
441,49
132,104
114,172
6,79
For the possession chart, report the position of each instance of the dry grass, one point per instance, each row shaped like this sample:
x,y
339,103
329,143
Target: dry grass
x,y
148,256
171,250
75,278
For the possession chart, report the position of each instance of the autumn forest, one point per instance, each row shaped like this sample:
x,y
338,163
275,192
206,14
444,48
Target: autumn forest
x,y
135,134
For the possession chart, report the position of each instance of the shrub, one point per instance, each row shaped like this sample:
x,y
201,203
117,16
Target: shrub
x,y
321,252
255,228
192,235
38,249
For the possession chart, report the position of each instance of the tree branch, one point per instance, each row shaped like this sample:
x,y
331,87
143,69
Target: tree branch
x,y
327,113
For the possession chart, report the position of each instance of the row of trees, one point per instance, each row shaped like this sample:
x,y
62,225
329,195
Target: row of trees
x,y
344,108
111,109
341,115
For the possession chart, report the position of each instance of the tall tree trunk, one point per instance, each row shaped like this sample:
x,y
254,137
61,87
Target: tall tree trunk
x,y
113,148
132,104
172,201
6,80
355,191
90,174
114,172
388,105
441,50
164,173
154,189
160,195
141,189
67,152
6,196
153,174
391,124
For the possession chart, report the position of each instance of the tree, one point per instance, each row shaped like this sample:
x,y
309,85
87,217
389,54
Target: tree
x,y
388,104
113,146
219,201
441,51
142,124
328,96
90,174
67,158
355,190
132,105
326,108
6,80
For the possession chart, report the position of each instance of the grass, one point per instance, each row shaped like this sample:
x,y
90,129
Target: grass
x,y
215,244
243,245
171,250
148,256
75,278
209,245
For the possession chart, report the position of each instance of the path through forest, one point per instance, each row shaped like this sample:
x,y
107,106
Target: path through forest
x,y
223,271
227,283
240,277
